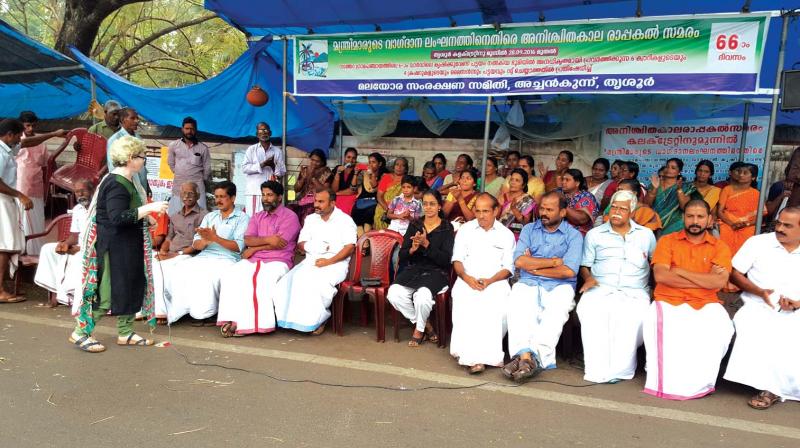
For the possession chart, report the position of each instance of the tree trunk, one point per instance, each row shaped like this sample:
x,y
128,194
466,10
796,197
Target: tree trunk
x,y
82,20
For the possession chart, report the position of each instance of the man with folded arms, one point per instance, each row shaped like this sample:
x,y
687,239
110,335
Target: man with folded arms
x,y
194,286
303,296
548,255
178,245
768,324
246,290
482,259
59,268
686,330
616,295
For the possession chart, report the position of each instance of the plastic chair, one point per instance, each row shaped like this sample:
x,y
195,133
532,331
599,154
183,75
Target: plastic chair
x,y
90,163
382,245
62,225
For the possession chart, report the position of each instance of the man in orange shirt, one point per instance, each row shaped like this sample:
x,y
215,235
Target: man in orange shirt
x,y
687,331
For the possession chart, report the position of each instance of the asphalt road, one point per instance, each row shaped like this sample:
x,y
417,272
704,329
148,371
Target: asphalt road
x,y
51,394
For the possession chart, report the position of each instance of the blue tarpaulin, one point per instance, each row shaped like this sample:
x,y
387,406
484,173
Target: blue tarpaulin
x,y
218,104
34,77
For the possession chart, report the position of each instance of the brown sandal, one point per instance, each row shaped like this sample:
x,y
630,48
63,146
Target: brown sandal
x,y
763,400
528,368
431,335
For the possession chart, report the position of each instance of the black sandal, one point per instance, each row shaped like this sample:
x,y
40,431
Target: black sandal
x,y
416,341
431,335
227,329
528,368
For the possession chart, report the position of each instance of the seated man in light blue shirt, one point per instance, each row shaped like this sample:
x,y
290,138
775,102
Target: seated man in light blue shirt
x,y
548,255
616,296
194,286
129,124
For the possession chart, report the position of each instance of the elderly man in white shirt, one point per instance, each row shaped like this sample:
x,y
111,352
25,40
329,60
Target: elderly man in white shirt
x,y
59,269
483,260
616,295
262,162
768,325
303,296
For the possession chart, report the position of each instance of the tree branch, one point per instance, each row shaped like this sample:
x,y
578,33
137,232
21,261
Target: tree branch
x,y
127,55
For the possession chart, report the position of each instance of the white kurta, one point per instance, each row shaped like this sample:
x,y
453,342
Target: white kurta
x,y
479,317
684,347
11,237
59,273
303,296
761,356
246,296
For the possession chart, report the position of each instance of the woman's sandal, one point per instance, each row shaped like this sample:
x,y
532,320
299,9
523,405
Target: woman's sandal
x,y
431,335
134,339
763,400
528,368
416,341
87,344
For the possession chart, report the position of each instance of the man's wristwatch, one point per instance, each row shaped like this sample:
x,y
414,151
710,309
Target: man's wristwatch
x,y
180,252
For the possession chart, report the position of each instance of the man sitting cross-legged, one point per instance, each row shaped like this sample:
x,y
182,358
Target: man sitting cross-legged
x,y
615,270
177,246
59,268
483,260
768,325
303,296
246,290
194,286
686,330
548,255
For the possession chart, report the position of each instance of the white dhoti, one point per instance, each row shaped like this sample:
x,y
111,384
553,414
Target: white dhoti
x,y
684,347
611,331
303,296
479,323
163,273
763,355
536,318
33,222
58,273
246,295
194,287
11,237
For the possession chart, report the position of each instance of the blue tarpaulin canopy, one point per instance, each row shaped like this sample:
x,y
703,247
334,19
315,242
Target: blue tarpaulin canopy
x,y
34,77
218,104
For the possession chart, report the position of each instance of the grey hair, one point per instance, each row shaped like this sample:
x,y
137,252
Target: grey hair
x,y
125,148
625,195
111,105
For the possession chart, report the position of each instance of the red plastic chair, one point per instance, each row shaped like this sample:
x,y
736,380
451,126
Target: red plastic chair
x,y
382,245
443,315
90,163
62,225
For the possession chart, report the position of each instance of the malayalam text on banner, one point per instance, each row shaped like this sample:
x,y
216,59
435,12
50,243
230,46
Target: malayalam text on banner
x,y
717,140
699,54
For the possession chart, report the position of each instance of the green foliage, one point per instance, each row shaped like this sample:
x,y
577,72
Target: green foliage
x,y
182,55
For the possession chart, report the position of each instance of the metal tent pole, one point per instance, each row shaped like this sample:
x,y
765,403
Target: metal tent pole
x,y
283,117
745,124
486,141
762,198
341,140
94,96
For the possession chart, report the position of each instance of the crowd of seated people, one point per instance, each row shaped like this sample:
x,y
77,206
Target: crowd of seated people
x,y
524,250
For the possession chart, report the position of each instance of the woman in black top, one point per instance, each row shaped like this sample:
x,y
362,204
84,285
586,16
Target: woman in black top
x,y
363,213
426,253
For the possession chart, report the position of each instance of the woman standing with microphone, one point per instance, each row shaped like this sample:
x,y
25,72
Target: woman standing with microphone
x,y
117,271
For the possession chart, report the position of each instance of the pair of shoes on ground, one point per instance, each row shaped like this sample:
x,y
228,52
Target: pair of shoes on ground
x,y
522,369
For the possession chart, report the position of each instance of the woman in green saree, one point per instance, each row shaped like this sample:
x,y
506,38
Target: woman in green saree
x,y
668,195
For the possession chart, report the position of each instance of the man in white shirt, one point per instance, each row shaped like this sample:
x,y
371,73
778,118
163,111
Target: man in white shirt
x,y
483,260
616,295
768,325
12,240
303,296
262,162
59,268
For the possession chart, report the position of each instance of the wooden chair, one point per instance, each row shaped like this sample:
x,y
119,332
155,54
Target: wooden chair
x,y
382,245
61,224
90,164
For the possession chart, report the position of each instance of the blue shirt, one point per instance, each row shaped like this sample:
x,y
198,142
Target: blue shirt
x,y
231,228
619,262
566,242
142,174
